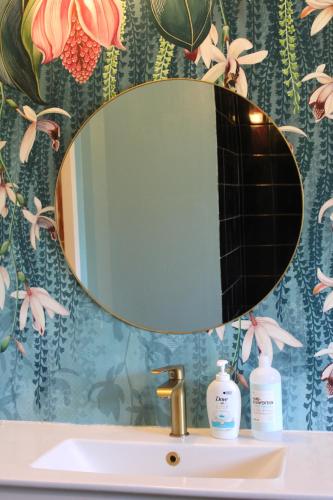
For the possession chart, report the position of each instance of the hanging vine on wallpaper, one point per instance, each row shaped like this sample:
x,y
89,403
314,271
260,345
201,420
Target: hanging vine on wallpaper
x,y
92,40
287,40
321,103
76,34
43,31
234,77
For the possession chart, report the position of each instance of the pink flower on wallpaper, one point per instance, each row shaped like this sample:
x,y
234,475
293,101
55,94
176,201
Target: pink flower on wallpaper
x,y
51,128
20,347
39,220
230,65
324,282
323,18
6,189
321,101
4,283
75,30
37,299
264,330
327,373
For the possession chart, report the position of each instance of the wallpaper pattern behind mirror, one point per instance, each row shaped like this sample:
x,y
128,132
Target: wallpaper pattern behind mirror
x,y
89,367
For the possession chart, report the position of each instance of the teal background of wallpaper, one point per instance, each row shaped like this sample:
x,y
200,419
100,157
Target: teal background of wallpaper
x,y
91,368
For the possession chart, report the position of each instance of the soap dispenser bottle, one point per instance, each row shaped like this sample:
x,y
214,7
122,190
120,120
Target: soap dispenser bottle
x,y
223,405
266,401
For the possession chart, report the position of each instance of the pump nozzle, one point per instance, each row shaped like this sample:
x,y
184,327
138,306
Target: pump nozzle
x,y
264,361
222,363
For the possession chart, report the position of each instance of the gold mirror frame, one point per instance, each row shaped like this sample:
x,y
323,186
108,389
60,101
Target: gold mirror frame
x,y
58,205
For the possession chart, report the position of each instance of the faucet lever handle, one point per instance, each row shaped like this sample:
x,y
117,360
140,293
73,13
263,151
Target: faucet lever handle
x,y
176,372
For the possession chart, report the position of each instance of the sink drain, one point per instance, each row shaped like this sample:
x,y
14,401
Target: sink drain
x,y
172,458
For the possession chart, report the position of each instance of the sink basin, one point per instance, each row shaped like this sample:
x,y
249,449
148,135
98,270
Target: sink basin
x,y
94,462
178,459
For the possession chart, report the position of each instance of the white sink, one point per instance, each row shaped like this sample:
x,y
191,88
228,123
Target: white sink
x,y
54,461
146,459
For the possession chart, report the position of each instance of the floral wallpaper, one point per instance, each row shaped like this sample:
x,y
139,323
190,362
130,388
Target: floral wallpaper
x,y
62,357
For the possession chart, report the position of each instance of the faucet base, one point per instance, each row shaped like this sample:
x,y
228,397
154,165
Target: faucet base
x,y
179,435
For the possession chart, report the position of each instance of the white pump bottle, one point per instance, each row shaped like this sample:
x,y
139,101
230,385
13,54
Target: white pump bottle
x,y
266,401
223,405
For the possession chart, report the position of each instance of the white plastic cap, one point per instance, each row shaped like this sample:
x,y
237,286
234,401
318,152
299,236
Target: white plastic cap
x,y
223,375
264,361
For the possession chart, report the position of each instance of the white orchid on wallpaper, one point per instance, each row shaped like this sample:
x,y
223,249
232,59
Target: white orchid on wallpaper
x,y
292,129
37,299
219,332
264,330
4,284
321,100
230,65
50,127
323,18
39,220
324,282
328,204
6,189
327,374
207,51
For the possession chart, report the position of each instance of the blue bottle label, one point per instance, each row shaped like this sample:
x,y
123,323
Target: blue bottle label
x,y
222,423
223,417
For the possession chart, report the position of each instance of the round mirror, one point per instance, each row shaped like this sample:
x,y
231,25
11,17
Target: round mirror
x,y
179,206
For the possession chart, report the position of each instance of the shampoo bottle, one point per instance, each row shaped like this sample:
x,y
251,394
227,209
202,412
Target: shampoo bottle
x,y
223,405
266,401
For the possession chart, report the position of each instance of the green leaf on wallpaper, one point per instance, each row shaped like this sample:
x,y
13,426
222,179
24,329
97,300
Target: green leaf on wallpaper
x,y
34,54
183,22
4,344
20,199
4,247
11,103
21,277
16,66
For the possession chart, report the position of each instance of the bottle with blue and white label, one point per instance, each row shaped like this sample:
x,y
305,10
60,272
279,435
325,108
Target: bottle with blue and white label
x,y
223,405
266,401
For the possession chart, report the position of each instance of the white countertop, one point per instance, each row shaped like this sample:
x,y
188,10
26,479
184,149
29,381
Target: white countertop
x,y
308,473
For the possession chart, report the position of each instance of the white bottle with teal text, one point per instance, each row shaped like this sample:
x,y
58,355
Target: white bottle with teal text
x,y
266,401
223,405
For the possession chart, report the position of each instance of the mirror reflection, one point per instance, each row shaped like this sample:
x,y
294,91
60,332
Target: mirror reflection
x,y
179,206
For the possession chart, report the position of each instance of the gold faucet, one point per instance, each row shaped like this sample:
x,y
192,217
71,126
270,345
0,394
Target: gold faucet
x,y
174,390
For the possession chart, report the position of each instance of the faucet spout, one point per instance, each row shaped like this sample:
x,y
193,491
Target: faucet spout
x,y
166,390
174,389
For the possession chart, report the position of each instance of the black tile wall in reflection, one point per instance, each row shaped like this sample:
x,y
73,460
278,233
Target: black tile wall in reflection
x,y
230,206
260,203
